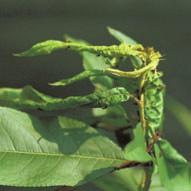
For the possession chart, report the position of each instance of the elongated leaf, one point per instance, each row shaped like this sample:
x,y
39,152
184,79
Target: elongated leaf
x,y
29,98
154,101
78,77
55,151
181,112
174,170
50,46
121,37
43,48
136,149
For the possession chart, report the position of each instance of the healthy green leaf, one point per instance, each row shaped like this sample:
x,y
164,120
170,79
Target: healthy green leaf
x,y
92,62
181,112
128,180
174,170
111,117
29,98
54,151
121,37
123,180
136,149
156,184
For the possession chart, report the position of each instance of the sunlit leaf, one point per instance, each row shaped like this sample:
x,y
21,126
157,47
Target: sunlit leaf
x,y
136,149
54,151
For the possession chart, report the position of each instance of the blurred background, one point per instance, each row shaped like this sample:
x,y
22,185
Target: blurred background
x,y
163,24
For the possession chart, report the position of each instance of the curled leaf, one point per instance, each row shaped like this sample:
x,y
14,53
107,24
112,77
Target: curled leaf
x,y
29,98
78,77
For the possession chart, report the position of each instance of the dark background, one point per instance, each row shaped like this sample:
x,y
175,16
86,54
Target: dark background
x,y
164,24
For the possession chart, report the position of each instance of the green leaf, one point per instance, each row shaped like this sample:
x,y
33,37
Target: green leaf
x,y
29,98
154,101
128,180
121,37
123,180
43,48
111,117
174,170
81,76
53,151
156,183
93,62
181,113
136,149
112,51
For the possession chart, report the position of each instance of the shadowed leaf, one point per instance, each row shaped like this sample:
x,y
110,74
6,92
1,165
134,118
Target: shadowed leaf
x,y
174,170
181,112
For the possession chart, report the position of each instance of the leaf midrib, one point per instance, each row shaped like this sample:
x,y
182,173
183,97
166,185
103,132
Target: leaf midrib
x,y
63,155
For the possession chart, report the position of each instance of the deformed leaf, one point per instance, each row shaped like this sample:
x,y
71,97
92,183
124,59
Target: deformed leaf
x,y
29,98
78,77
121,37
54,151
136,149
174,170
93,62
112,51
43,48
111,116
154,101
